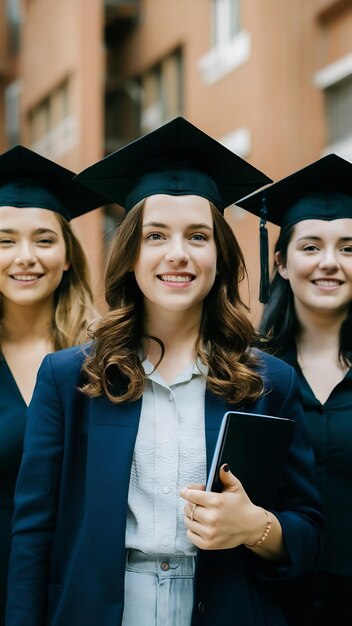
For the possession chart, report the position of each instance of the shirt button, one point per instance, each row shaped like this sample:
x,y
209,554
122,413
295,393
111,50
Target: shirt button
x,y
166,489
171,398
201,607
166,541
165,566
166,439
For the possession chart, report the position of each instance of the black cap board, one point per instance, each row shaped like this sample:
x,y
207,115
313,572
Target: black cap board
x,y
28,179
320,191
175,159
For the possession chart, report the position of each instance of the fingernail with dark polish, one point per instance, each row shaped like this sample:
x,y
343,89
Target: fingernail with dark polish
x,y
226,468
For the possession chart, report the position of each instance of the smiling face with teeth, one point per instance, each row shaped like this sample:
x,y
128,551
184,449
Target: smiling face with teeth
x,y
318,265
32,255
176,265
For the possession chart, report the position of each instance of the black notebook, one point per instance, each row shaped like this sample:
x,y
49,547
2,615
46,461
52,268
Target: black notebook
x,y
256,448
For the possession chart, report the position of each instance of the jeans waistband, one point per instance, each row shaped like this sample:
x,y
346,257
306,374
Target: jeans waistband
x,y
182,565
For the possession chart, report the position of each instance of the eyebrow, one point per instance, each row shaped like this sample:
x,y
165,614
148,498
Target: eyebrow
x,y
315,238
38,231
190,226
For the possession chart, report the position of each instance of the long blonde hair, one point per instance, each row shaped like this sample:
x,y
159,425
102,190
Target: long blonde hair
x,y
73,308
114,368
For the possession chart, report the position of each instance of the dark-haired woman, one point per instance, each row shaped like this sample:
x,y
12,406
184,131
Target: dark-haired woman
x,y
101,534
308,321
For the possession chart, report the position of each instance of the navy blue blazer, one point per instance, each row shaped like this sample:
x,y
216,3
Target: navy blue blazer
x,y
68,552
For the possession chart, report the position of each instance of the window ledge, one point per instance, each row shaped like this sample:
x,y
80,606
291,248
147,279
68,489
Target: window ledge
x,y
342,148
239,141
225,58
334,72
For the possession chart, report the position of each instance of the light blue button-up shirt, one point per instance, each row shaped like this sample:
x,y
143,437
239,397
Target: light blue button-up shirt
x,y
169,454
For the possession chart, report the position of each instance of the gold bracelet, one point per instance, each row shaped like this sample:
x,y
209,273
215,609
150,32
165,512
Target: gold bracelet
x,y
264,535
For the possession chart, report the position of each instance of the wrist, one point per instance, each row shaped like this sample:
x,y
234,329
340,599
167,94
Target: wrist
x,y
262,532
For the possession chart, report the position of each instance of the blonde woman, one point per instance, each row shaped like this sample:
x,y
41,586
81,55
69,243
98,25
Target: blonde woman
x,y
45,298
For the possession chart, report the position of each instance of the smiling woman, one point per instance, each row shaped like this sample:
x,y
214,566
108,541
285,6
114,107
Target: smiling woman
x,y
113,525
32,259
308,321
45,299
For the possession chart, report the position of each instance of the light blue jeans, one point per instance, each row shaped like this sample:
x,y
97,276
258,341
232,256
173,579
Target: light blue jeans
x,y
158,590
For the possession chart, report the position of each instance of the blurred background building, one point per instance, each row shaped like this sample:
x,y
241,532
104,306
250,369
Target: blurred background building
x,y
271,79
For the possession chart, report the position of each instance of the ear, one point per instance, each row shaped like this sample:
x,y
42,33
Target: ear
x,y
281,268
67,266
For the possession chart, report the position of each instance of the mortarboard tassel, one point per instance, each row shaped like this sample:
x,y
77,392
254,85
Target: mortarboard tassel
x,y
264,290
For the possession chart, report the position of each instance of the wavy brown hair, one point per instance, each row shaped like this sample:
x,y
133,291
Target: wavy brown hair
x,y
73,300
114,366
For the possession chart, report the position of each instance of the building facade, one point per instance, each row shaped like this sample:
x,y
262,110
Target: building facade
x,y
271,79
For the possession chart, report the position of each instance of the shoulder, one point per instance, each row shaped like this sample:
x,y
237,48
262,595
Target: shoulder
x,y
279,378
271,366
66,365
281,393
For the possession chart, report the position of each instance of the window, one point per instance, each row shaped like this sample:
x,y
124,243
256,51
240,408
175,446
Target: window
x,y
12,112
162,89
52,127
339,110
335,81
14,17
122,114
144,102
225,20
230,44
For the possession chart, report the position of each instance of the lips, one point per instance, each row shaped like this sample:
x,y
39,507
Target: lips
x,y
327,282
176,278
25,278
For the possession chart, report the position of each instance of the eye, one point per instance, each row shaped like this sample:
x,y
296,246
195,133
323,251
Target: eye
x,y
45,241
198,237
347,249
154,236
6,241
310,247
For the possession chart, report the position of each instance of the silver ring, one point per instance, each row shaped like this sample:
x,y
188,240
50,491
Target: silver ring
x,y
192,511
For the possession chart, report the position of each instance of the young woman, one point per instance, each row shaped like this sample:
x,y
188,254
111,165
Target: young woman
x,y
112,523
308,322
45,299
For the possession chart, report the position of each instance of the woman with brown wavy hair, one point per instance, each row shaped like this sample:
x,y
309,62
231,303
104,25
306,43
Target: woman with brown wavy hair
x,y
45,299
112,524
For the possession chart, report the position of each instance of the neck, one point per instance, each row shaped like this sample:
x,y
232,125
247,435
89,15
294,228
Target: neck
x,y
173,326
178,332
32,322
319,330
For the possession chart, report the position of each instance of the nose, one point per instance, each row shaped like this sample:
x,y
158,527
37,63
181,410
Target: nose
x,y
329,260
177,252
25,254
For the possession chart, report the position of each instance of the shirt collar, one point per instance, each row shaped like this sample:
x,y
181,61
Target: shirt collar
x,y
198,368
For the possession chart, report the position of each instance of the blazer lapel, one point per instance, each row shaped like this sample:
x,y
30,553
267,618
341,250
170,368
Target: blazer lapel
x,y
112,431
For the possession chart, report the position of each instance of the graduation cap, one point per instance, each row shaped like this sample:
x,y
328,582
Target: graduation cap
x,y
176,159
320,191
30,180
